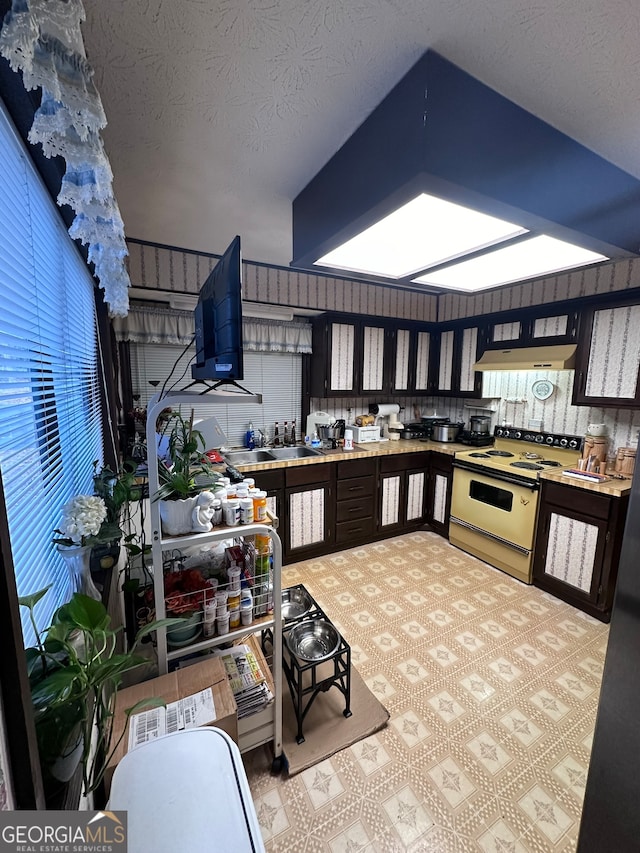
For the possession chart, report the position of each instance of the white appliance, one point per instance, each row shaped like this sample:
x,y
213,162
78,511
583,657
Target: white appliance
x,y
361,435
317,419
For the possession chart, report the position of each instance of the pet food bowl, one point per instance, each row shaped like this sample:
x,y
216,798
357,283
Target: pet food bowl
x,y
296,601
314,640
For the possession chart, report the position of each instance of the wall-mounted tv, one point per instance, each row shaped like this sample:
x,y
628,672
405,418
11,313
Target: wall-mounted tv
x,y
218,320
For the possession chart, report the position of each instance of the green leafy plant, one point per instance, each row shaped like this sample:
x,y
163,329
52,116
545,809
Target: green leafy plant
x,y
75,670
187,471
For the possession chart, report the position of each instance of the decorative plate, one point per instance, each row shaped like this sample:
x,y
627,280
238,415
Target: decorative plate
x,y
542,389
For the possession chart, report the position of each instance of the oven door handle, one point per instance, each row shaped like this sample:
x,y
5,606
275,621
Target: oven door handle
x,y
488,535
491,474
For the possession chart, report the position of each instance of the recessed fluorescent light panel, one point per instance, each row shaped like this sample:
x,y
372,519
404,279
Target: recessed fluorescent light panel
x,y
422,233
536,256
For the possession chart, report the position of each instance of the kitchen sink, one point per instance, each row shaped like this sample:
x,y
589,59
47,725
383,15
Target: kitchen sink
x,y
247,457
293,452
250,457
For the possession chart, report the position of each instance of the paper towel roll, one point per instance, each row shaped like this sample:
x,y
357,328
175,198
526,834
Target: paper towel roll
x,y
385,408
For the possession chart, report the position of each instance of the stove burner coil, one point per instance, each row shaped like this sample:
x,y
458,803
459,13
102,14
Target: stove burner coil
x,y
550,463
480,455
530,466
499,453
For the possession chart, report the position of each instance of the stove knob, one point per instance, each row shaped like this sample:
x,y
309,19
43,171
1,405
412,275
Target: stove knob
x,y
573,443
499,431
549,439
517,434
539,439
563,442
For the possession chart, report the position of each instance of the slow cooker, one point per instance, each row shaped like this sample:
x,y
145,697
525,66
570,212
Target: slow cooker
x,y
446,432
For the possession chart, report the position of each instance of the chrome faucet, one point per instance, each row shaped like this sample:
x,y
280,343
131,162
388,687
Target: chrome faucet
x,y
260,440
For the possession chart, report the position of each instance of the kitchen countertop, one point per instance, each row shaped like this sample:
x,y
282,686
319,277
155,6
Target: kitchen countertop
x,y
614,488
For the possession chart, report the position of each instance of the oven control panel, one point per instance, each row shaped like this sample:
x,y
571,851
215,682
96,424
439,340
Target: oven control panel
x,y
550,439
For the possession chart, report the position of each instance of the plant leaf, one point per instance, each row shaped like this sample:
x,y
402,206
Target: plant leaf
x,y
30,601
86,612
59,687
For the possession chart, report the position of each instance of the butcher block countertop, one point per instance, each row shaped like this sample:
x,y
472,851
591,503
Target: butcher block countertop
x,y
613,488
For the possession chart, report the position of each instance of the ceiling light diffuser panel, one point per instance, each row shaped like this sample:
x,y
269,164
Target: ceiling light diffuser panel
x,y
444,167
530,258
422,233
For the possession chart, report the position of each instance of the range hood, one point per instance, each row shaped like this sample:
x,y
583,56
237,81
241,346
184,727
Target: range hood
x,y
560,357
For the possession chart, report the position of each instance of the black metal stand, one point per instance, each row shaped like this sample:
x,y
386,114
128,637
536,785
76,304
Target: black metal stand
x,y
307,680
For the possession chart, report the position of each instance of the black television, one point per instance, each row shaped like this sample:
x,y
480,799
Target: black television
x,y
218,320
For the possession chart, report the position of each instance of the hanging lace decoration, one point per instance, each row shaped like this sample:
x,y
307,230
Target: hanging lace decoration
x,y
43,40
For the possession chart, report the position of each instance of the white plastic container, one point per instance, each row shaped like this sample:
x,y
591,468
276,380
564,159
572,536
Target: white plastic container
x,y
168,786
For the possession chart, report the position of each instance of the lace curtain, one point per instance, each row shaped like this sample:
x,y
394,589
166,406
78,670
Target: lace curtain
x,y
145,325
43,40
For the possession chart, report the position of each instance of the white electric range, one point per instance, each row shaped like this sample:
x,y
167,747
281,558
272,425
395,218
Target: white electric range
x,y
494,502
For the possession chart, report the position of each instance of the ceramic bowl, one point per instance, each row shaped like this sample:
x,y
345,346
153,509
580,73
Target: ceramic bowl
x,y
597,429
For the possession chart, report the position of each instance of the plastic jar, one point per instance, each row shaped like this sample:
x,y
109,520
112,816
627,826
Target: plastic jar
x,y
246,606
222,623
209,622
222,597
216,520
231,492
250,483
246,511
232,512
234,618
242,491
234,581
262,541
259,506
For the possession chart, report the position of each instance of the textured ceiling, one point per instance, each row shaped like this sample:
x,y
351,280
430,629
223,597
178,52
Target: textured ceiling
x,y
221,112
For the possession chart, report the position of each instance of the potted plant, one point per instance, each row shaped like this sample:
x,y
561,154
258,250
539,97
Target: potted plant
x,y
118,489
182,475
74,671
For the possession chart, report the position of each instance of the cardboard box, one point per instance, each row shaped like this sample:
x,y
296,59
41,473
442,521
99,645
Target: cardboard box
x,y
208,673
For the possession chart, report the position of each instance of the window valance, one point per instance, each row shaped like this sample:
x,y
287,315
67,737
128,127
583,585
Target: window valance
x,y
42,39
151,325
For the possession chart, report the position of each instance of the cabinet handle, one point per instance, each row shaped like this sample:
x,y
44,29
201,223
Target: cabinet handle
x,y
355,489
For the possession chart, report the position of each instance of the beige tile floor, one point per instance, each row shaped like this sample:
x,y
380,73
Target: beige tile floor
x,y
492,687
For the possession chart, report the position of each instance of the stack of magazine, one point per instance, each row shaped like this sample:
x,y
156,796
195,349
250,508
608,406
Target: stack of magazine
x,y
246,678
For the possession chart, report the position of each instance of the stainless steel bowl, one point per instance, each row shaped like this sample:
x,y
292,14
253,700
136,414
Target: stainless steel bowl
x,y
296,601
314,640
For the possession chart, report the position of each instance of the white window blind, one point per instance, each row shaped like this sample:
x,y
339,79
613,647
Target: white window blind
x,y
277,376
50,419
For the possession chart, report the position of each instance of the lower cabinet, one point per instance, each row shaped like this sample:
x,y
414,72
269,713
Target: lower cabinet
x,y
578,546
310,510
439,492
402,491
355,502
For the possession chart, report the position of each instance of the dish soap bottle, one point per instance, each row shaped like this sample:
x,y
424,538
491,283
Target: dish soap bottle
x,y
250,438
315,439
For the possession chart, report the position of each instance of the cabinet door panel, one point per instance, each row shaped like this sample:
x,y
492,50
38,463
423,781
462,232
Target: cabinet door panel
x,y
403,350
614,353
550,327
415,495
422,361
358,530
348,510
342,357
571,553
306,517
445,369
506,332
373,358
468,358
440,494
390,503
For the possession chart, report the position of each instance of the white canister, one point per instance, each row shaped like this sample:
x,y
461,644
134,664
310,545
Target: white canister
x,y
232,512
246,510
348,439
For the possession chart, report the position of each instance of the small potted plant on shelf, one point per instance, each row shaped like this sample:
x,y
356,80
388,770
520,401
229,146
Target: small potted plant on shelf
x,y
74,671
182,475
119,490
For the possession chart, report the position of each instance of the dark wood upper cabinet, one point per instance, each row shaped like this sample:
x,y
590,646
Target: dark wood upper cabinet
x,y
608,357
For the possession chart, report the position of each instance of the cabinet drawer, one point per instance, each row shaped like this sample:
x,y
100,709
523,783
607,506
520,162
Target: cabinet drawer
x,y
403,462
268,479
356,508
578,500
356,468
356,487
358,529
302,475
